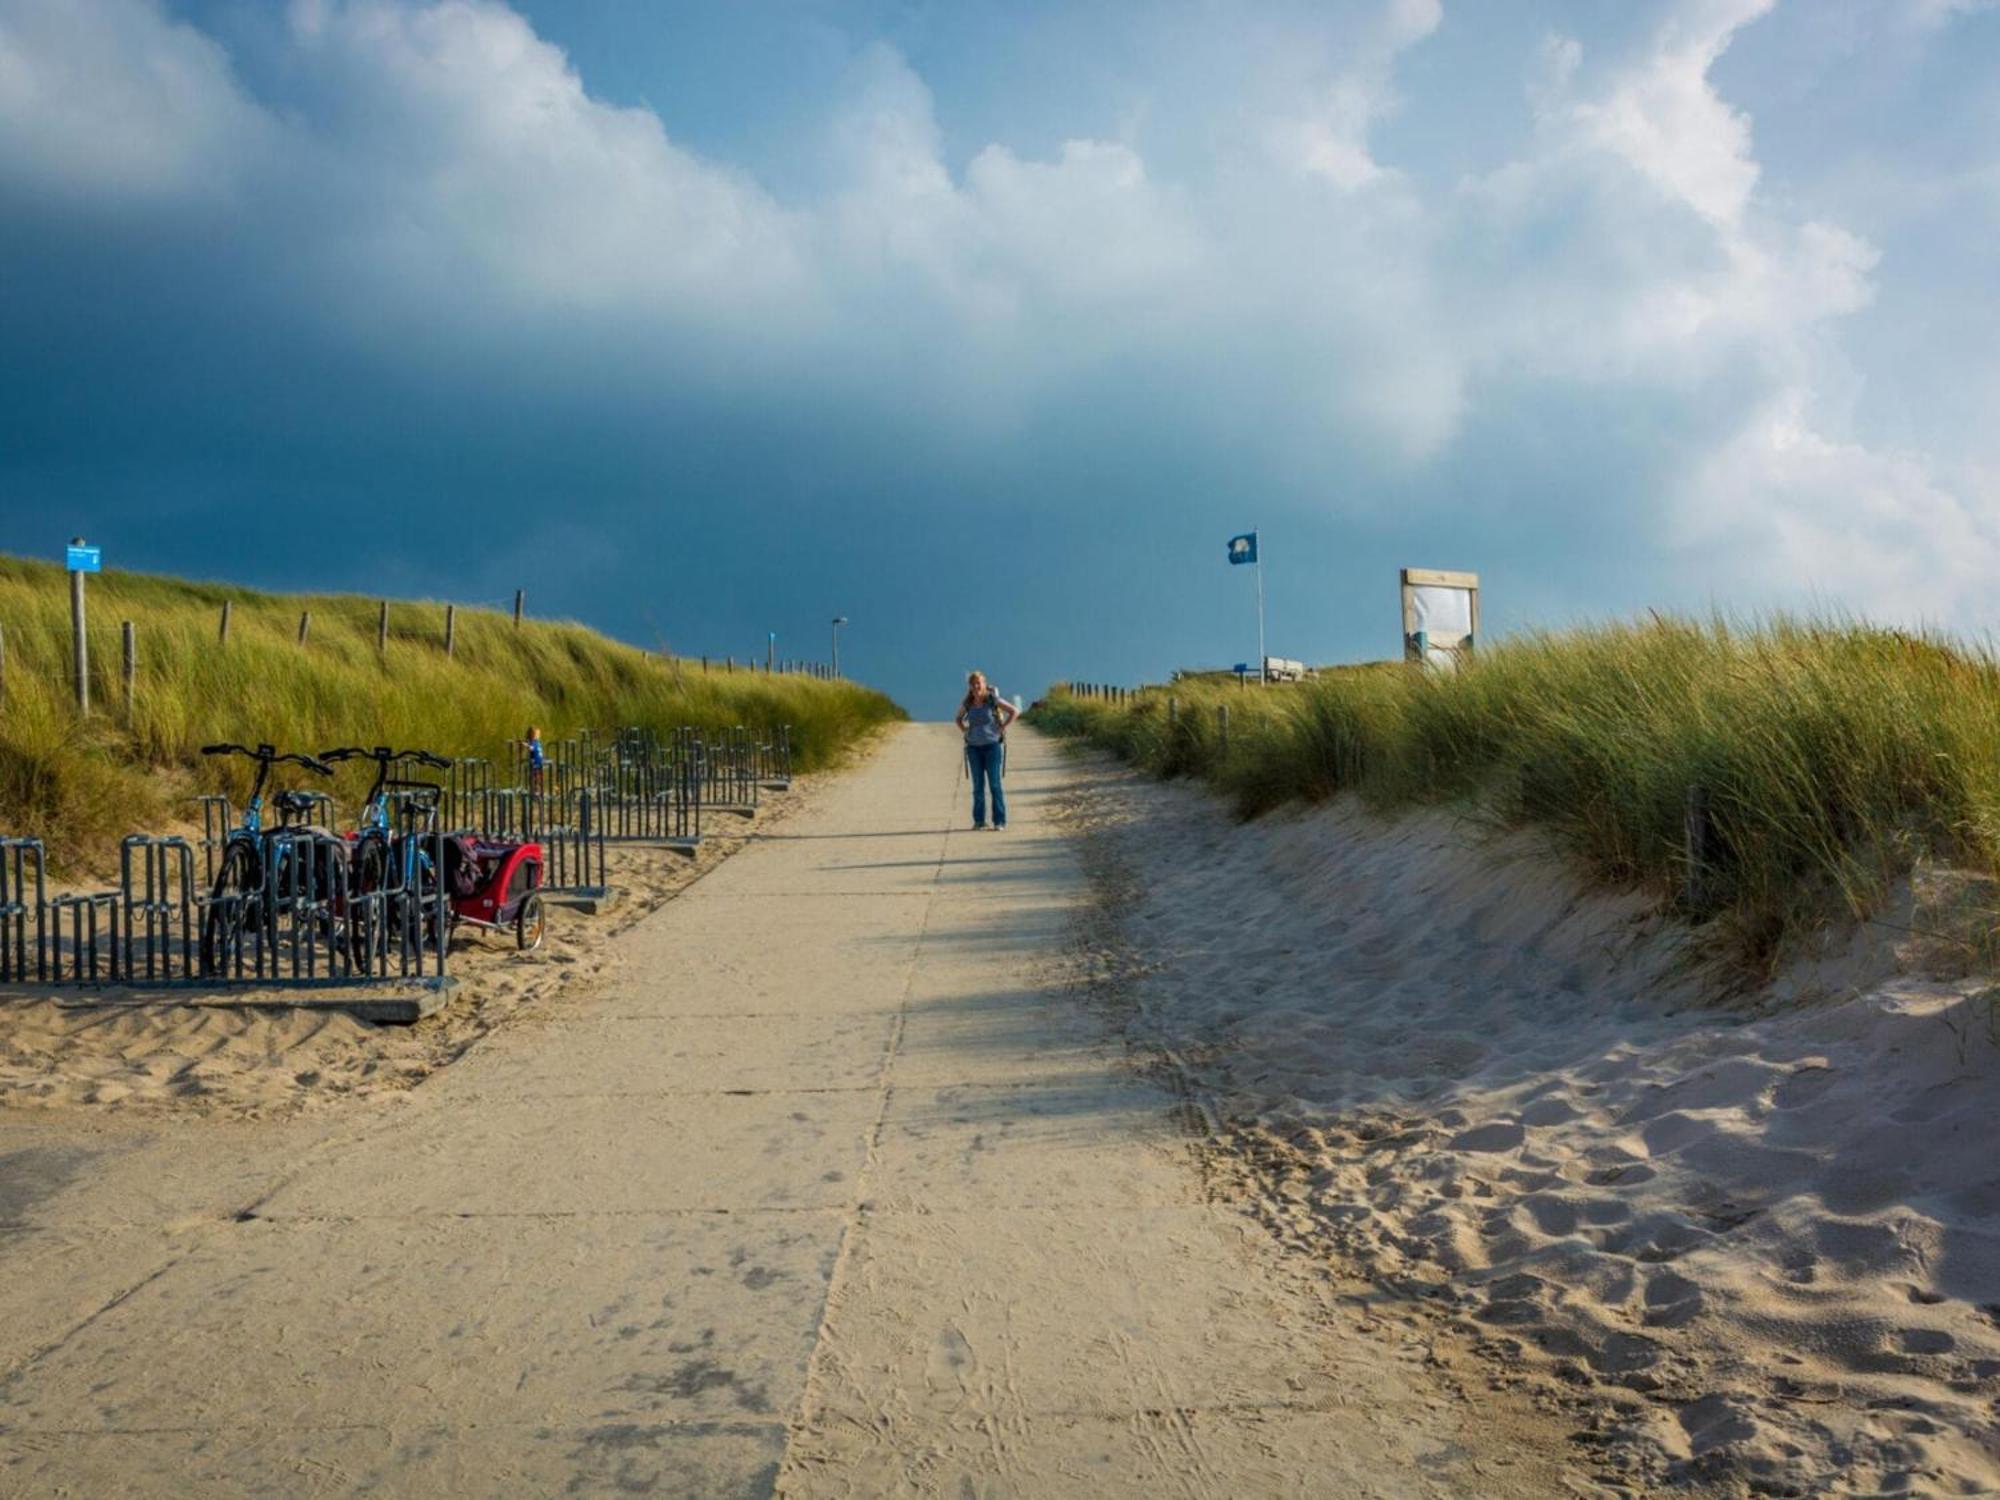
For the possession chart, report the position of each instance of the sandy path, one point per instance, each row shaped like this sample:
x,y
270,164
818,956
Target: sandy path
x,y
838,1189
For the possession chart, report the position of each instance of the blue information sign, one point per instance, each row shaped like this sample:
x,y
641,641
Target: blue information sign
x,y
85,559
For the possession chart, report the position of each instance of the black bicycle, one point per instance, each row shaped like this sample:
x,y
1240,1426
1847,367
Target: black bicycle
x,y
249,885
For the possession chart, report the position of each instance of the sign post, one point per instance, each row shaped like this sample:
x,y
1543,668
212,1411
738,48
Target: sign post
x,y
838,621
81,560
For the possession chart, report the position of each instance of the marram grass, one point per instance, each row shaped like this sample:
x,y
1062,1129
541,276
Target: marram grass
x,y
1832,754
82,784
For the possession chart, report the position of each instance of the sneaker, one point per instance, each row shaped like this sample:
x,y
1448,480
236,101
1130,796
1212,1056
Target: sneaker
x,y
979,828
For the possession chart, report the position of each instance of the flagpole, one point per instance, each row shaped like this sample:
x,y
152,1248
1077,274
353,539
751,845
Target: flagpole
x,y
1263,669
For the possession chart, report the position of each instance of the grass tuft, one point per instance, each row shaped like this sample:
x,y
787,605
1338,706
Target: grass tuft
x,y
1832,755
81,785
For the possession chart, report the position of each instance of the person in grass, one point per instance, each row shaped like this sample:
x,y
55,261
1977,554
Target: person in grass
x,y
983,719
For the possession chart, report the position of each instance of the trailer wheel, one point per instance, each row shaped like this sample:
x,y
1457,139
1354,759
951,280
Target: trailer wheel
x,y
529,924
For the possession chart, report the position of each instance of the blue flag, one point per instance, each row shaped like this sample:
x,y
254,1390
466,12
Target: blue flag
x,y
1243,549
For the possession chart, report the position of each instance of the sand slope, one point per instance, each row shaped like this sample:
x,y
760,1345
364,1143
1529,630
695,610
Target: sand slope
x,y
1755,1246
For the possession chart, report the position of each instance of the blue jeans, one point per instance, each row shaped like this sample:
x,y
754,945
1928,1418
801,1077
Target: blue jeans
x,y
985,762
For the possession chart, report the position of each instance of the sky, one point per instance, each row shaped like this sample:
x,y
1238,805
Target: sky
x,y
985,324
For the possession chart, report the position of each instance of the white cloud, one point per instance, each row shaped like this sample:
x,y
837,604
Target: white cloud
x,y
1666,121
1782,510
472,147
1328,139
118,101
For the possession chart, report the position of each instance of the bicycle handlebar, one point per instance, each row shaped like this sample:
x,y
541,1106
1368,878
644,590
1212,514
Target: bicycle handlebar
x,y
385,756
268,755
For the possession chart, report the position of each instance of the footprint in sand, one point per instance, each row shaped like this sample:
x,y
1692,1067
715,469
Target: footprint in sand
x,y
1499,1135
1802,1087
1672,1301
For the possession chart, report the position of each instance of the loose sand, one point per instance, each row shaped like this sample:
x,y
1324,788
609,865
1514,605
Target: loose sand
x,y
1749,1245
216,1053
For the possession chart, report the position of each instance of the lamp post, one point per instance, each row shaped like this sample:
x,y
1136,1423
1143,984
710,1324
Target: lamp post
x,y
838,621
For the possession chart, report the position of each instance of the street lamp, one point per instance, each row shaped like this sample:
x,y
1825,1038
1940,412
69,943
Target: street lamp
x,y
838,621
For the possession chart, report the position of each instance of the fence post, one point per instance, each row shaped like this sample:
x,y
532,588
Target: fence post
x,y
305,625
704,664
222,631
520,597
82,651
382,628
1695,847
131,663
450,628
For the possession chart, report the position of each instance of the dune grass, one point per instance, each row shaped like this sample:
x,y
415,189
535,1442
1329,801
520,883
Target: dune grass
x,y
1831,755
81,784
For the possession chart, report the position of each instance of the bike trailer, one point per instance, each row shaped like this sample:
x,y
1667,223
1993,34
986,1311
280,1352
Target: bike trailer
x,y
495,885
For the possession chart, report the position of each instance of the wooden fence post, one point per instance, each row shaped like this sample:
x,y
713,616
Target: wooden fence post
x,y
450,628
305,625
130,665
382,628
1695,847
222,632
520,597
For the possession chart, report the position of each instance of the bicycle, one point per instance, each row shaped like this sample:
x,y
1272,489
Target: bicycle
x,y
236,902
391,858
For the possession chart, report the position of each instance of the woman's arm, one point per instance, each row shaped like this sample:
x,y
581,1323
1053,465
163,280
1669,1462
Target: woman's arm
x,y
960,721
1007,713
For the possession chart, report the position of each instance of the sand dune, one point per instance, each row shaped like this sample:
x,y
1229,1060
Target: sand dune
x,y
183,1052
1753,1243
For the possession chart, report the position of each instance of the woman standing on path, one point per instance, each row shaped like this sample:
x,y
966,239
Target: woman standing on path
x,y
983,718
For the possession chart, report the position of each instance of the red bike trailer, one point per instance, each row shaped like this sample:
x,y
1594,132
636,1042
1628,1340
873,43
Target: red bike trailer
x,y
495,885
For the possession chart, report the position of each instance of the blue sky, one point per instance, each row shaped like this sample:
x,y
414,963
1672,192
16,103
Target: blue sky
x,y
986,324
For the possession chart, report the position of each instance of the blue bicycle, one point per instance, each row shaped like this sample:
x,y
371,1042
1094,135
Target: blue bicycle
x,y
243,898
391,857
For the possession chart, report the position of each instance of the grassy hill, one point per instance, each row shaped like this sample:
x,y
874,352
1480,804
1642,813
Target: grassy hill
x,y
1831,755
81,784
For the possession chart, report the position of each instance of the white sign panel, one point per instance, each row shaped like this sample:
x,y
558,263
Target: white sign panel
x,y
1440,616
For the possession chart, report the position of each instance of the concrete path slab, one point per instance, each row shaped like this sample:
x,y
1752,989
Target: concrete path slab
x,y
836,1191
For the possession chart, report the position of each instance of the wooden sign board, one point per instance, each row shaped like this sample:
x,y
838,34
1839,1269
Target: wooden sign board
x,y
1440,616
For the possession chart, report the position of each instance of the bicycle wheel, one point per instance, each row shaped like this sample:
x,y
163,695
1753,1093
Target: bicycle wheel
x,y
529,924
368,874
432,906
235,908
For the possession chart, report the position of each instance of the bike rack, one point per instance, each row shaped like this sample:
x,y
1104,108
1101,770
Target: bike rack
x,y
161,900
86,933
18,857
304,924
217,819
